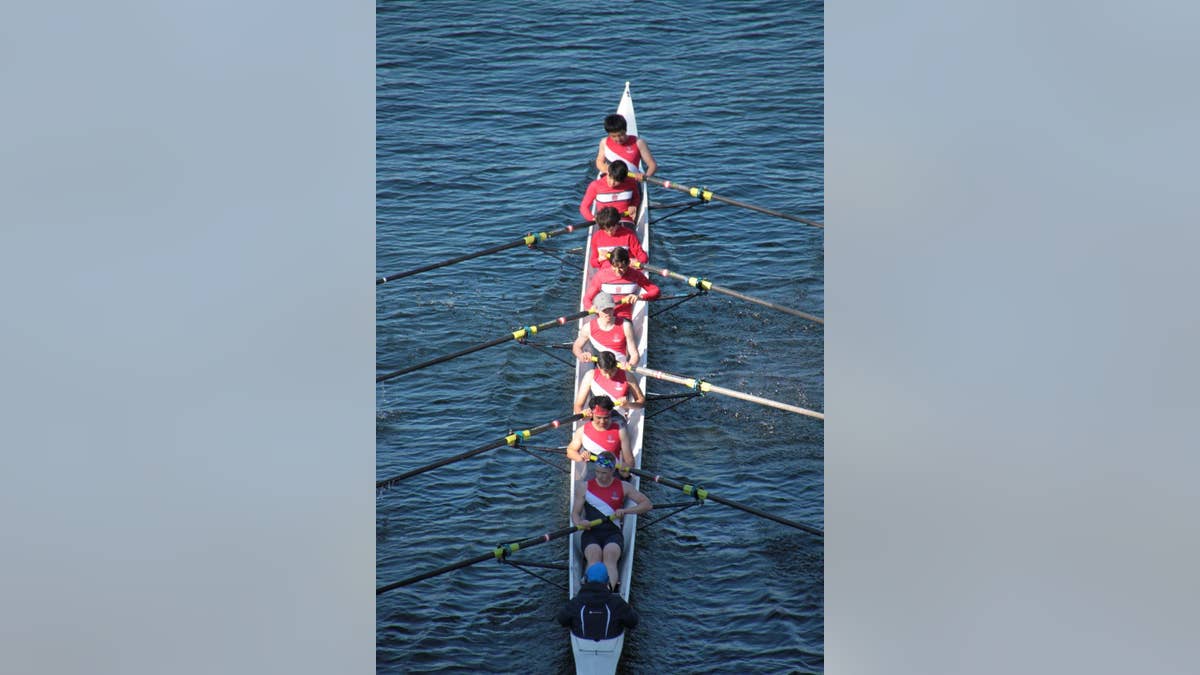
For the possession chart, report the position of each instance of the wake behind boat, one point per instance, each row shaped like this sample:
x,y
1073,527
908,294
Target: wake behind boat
x,y
601,656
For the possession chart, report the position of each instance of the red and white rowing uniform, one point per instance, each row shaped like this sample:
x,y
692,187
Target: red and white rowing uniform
x,y
616,387
604,500
597,441
607,280
611,340
628,153
600,194
603,243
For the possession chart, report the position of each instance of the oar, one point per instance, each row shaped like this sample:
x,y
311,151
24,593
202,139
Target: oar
x,y
705,387
528,240
705,195
515,335
702,494
706,285
498,553
511,439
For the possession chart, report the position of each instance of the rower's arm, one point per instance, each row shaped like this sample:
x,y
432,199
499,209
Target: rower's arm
x,y
647,158
626,452
589,295
577,348
574,446
601,163
636,399
636,251
641,501
577,505
585,387
649,290
585,206
630,344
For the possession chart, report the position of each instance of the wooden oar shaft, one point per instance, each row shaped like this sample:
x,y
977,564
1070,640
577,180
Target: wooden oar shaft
x,y
527,240
511,439
708,386
496,554
706,195
706,285
701,493
515,335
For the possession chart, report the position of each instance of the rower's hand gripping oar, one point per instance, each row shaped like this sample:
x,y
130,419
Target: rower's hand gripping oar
x,y
705,195
515,335
499,554
529,240
706,387
705,285
700,494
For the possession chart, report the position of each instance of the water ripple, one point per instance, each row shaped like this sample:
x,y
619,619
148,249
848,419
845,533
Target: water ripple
x,y
487,127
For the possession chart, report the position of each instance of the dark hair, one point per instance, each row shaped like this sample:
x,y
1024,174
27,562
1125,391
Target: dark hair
x,y
614,122
619,254
606,361
608,216
618,171
603,401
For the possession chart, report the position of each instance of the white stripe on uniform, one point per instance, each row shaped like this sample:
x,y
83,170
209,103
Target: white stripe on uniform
x,y
614,288
609,197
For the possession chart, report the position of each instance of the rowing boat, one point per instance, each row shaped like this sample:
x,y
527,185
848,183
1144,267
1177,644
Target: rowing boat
x,y
601,656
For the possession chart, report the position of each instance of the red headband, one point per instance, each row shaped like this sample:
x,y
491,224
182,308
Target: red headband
x,y
600,412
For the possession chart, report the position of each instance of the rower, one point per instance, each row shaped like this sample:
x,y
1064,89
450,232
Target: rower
x,y
596,613
606,379
602,497
606,333
618,144
625,284
610,234
615,189
600,435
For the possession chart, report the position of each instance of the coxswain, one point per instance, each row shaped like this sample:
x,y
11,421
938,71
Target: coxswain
x,y
600,435
618,144
604,497
596,613
625,284
616,189
606,379
610,234
606,333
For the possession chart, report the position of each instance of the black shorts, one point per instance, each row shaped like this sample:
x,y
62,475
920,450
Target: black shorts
x,y
601,536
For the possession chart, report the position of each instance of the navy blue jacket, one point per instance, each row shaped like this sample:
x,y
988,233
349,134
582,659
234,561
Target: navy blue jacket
x,y
597,613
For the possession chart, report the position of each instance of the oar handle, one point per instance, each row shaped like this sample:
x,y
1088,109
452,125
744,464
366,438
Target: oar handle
x,y
591,457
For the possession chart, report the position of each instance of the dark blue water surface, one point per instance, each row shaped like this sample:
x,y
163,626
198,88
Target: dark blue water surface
x,y
488,120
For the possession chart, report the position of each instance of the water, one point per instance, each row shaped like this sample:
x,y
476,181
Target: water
x,y
488,124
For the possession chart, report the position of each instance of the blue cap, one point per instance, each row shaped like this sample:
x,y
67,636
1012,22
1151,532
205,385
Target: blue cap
x,y
597,572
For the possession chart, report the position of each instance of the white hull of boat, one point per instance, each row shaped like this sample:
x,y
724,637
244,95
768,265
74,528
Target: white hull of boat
x,y
601,656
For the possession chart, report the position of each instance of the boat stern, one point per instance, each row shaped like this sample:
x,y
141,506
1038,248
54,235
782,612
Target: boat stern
x,y
596,657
